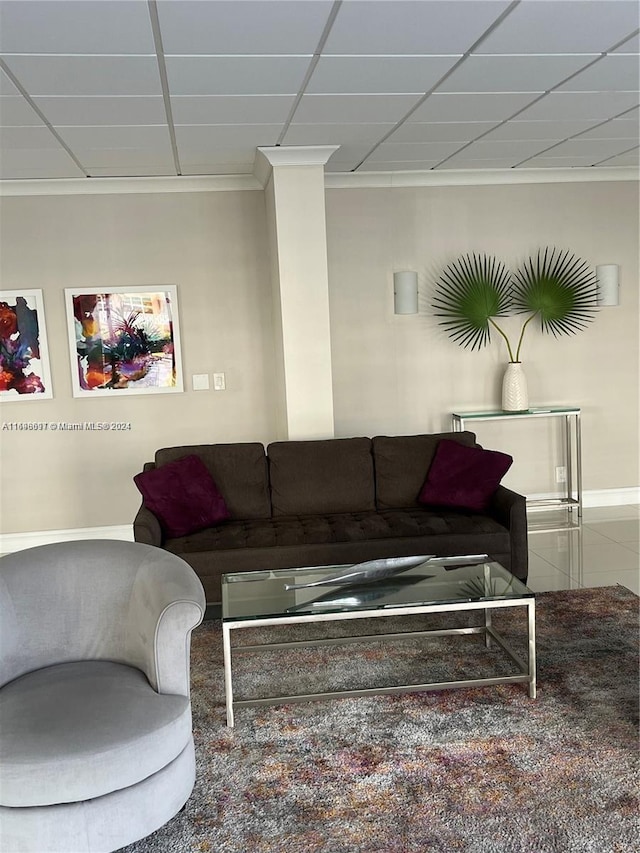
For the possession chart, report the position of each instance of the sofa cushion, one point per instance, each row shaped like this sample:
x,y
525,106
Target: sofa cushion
x,y
293,531
75,731
463,477
239,471
183,496
327,476
402,462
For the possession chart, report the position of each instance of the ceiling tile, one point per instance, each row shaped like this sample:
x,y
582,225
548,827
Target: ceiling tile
x,y
75,26
208,168
233,75
347,157
594,149
27,138
379,74
7,87
190,154
397,166
630,46
471,163
555,162
629,158
512,73
616,129
16,112
231,109
616,72
103,110
361,109
124,170
151,137
578,106
400,27
38,163
408,151
563,26
87,75
208,138
335,134
479,107
445,131
513,150
242,28
138,158
537,130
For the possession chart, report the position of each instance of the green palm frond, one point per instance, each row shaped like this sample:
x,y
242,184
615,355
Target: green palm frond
x,y
469,293
558,288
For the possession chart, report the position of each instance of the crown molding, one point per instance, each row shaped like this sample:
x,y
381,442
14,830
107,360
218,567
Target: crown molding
x,y
268,157
300,156
119,186
480,177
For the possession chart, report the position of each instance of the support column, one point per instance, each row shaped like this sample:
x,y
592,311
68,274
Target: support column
x,y
294,189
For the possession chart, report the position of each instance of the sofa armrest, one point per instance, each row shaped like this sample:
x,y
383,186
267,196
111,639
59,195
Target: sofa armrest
x,y
146,527
510,509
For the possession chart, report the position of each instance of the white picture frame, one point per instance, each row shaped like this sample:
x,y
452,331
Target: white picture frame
x,y
124,340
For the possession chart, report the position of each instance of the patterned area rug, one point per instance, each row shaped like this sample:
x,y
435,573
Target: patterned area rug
x,y
484,770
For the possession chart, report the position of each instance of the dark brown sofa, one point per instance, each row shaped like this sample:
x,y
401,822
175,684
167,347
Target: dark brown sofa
x,y
334,501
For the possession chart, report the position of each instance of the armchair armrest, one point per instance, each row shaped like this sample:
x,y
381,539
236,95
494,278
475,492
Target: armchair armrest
x,y
510,509
167,602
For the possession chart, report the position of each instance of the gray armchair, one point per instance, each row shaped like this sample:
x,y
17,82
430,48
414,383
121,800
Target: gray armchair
x,y
96,743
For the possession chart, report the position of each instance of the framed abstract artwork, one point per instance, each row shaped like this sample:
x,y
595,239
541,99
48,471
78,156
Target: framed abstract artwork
x,y
25,373
124,340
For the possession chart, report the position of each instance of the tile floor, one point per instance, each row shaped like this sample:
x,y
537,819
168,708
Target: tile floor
x,y
603,551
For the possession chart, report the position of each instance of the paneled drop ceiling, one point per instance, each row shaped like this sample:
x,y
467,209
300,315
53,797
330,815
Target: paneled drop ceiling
x,y
103,88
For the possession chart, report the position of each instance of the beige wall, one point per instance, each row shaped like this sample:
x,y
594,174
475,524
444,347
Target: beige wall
x,y
213,246
390,374
395,374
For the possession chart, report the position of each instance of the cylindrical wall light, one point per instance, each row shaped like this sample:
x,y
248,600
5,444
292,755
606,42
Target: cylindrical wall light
x,y
608,282
405,292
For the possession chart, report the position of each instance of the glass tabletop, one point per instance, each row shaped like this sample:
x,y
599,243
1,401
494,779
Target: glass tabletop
x,y
500,413
260,595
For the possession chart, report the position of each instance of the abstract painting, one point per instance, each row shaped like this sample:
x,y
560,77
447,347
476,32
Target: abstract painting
x,y
24,357
124,340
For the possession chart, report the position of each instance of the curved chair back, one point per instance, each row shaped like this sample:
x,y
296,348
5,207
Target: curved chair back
x,y
95,600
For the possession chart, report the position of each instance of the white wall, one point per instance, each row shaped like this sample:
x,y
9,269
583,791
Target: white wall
x,y
395,374
213,246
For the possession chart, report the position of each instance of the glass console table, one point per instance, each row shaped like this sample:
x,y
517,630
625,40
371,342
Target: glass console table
x,y
570,416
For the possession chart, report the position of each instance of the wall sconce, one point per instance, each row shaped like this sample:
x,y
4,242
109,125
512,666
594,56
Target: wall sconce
x,y
608,284
405,292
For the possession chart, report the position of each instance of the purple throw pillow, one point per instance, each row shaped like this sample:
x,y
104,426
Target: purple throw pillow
x,y
183,496
463,477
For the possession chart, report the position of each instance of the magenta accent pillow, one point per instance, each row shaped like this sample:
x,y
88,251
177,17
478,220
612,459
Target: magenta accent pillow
x,y
463,477
183,496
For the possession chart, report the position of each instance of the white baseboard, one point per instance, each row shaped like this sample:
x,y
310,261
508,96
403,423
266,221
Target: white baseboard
x,y
10,542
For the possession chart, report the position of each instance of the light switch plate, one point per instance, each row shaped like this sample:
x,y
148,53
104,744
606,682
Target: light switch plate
x,y
200,381
219,382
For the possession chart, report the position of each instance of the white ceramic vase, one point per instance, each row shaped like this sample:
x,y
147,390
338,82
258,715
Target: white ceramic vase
x,y
515,397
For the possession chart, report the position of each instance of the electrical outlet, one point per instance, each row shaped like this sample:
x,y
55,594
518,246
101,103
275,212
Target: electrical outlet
x,y
561,474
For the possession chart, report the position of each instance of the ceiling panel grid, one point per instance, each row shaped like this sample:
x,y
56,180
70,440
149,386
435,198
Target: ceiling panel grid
x,y
114,89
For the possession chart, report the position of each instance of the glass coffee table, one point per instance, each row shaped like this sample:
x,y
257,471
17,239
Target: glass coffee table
x,y
436,585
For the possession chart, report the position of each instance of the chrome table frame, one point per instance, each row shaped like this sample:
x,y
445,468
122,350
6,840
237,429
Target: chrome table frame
x,y
527,668
571,418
